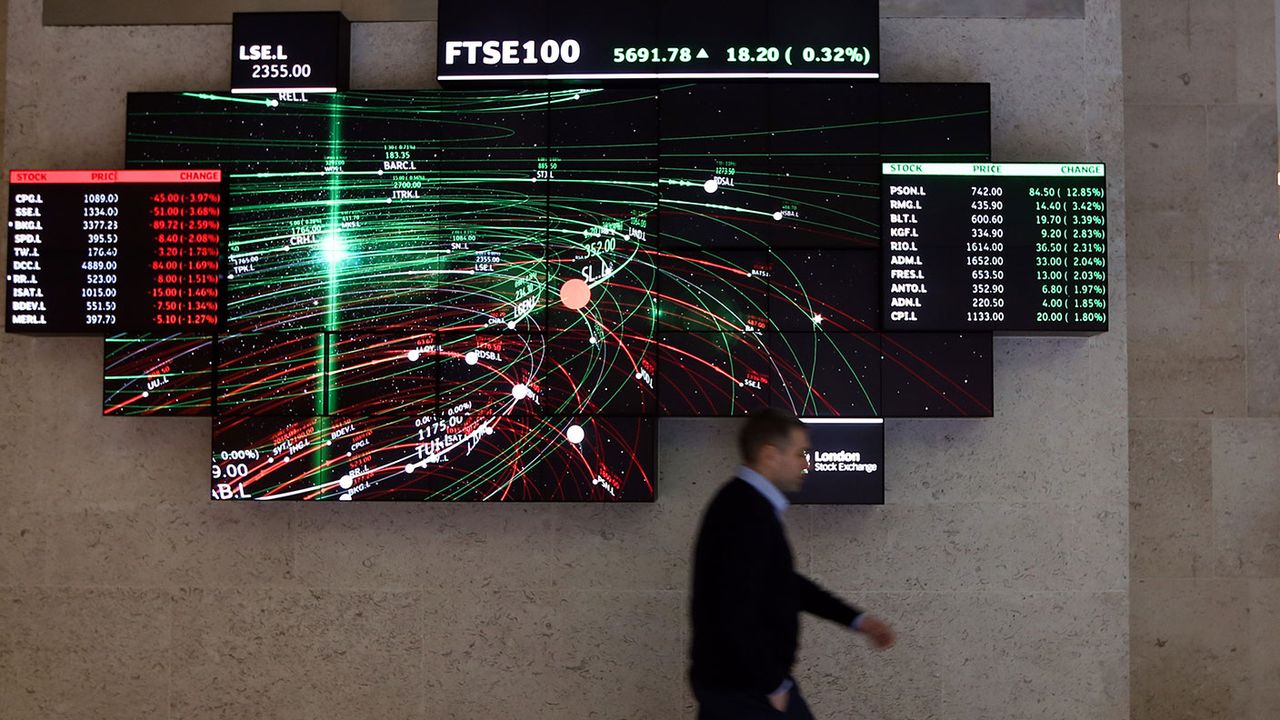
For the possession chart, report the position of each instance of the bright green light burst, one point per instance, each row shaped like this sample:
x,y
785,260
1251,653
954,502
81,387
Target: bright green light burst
x,y
333,249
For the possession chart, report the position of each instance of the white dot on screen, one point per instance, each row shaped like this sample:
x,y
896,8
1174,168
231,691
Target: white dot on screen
x,y
345,482
344,497
777,216
414,355
520,391
575,434
146,393
472,357
710,185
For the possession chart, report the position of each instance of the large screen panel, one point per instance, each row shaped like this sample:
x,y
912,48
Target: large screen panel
x,y
1007,247
468,276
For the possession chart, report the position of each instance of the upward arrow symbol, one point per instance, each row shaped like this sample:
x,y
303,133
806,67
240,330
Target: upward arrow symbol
x,y
702,54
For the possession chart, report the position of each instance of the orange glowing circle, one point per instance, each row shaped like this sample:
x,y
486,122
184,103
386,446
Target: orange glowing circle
x,y
575,294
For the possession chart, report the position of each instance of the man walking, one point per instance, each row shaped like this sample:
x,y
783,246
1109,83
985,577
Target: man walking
x,y
747,595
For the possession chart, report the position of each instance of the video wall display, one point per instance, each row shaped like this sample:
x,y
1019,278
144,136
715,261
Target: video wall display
x,y
493,295
995,246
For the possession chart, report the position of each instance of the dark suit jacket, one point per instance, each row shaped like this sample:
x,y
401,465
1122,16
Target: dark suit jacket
x,y
747,596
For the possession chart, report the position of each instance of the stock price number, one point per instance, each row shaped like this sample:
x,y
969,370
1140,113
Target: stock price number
x,y
281,70
655,55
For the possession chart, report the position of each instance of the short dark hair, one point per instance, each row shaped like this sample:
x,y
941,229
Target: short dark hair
x,y
771,426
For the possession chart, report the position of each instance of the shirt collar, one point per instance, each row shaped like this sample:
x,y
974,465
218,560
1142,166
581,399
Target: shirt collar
x,y
765,488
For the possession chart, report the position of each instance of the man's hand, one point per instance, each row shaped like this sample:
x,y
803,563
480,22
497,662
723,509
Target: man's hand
x,y
878,631
779,700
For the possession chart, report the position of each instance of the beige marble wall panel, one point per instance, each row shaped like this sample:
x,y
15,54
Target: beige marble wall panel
x,y
1167,234
555,654
68,84
983,8
534,547
1262,357
393,56
1104,99
1264,630
1187,345
24,549
1042,655
142,12
1179,51
1171,486
1246,497
1035,68
1165,157
92,653
1189,645
971,546
843,677
1188,302
1240,203
1170,380
132,12
89,459
1255,41
292,654
105,545
224,545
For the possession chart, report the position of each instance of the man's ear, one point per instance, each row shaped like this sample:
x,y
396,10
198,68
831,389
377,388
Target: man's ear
x,y
768,454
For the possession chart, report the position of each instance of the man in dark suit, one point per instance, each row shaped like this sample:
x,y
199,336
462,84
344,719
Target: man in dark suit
x,y
747,595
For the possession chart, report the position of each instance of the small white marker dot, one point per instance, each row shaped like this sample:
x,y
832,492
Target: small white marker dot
x,y
414,355
777,216
472,357
345,482
575,434
146,393
710,185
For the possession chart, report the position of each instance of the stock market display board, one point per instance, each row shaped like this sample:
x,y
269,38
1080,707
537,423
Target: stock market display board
x,y
493,294
1007,247
114,250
